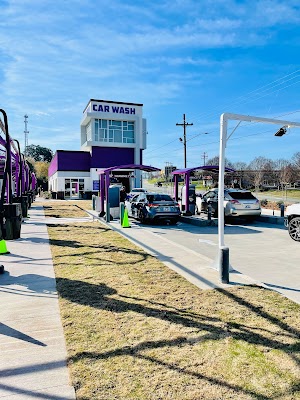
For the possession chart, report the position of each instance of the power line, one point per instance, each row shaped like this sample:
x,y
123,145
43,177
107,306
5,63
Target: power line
x,y
245,98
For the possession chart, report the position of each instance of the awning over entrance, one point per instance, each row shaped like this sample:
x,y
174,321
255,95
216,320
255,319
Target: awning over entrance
x,y
187,172
105,181
146,168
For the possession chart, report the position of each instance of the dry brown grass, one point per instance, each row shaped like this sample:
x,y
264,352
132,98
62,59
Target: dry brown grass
x,y
137,330
67,209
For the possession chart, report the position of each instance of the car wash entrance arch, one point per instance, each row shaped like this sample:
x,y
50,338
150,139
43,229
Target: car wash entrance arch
x,y
104,182
187,174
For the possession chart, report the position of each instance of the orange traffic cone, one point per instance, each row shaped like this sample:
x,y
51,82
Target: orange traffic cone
x,y
125,222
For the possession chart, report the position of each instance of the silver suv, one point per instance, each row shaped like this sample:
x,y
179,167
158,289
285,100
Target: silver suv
x,y
237,203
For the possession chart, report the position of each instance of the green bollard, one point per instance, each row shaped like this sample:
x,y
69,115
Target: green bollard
x,y
107,215
122,209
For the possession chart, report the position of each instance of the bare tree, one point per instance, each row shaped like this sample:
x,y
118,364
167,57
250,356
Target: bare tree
x,y
296,160
215,161
261,168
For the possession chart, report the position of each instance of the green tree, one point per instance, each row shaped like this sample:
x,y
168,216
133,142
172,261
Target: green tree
x,y
39,153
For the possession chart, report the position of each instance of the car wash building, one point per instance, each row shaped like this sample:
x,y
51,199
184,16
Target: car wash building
x,y
112,133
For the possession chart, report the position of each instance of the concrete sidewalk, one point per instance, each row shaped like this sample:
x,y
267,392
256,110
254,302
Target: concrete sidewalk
x,y
32,344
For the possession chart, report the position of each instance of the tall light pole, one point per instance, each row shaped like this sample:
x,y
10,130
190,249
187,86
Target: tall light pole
x,y
185,124
223,263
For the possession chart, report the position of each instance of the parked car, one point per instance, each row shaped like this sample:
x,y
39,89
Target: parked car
x,y
237,203
292,221
148,207
135,191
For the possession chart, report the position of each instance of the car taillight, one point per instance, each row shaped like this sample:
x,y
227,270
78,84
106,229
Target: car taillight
x,y
234,201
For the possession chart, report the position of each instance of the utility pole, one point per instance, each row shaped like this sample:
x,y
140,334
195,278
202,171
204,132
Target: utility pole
x,y
26,135
204,156
185,124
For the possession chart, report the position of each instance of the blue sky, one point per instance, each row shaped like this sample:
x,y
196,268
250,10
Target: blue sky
x,y
198,57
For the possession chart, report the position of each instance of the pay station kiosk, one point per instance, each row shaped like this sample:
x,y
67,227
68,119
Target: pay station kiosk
x,y
191,196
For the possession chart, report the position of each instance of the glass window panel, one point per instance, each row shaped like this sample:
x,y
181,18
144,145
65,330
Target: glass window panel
x,y
117,123
118,136
67,184
104,123
125,124
74,180
81,180
81,186
103,133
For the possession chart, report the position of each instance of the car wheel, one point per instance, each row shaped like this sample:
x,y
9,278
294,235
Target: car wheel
x,y
173,221
141,217
294,229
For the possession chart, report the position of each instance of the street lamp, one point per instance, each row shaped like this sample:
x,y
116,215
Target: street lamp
x,y
223,255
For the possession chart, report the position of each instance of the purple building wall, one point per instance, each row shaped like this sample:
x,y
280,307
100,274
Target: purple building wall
x,y
104,157
65,160
53,165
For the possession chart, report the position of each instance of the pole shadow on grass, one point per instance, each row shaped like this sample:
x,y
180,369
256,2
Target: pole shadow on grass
x,y
98,296
134,351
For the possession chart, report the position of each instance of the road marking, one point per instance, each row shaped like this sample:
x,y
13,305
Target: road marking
x,y
180,246
207,242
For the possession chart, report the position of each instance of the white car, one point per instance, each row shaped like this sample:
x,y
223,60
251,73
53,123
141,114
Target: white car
x,y
237,203
292,221
135,191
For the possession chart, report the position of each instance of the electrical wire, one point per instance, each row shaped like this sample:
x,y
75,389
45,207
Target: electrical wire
x,y
255,92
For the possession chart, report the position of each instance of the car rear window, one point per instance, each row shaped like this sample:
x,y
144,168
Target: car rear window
x,y
242,195
158,197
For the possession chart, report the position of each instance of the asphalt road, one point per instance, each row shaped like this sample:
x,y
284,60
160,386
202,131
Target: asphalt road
x,y
262,251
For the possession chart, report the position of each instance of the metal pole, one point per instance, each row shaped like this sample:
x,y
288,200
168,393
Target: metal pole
x,y
7,173
185,124
223,137
184,139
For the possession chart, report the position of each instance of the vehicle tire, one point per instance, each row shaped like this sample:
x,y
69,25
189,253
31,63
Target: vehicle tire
x,y
294,228
173,221
141,217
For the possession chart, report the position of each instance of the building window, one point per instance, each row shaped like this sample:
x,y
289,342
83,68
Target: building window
x,y
89,131
114,131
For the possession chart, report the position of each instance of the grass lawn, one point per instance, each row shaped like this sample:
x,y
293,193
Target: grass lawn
x,y
295,194
136,330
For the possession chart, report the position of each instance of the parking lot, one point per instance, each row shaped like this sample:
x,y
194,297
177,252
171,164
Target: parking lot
x,y
262,251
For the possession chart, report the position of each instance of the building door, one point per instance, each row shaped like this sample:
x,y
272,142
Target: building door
x,y
74,189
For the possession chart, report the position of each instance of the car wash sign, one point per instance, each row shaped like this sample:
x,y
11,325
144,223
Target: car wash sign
x,y
113,108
